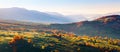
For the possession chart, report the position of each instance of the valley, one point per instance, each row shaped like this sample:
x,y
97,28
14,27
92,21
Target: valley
x,y
98,35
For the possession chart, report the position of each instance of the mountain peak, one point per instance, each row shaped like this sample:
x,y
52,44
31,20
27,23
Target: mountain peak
x,y
110,18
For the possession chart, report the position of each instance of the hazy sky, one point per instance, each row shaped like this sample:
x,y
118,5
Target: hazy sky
x,y
66,7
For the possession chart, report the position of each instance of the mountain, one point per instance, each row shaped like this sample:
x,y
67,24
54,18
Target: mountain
x,y
109,19
22,14
103,26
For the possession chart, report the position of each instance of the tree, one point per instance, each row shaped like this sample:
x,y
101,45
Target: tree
x,y
19,44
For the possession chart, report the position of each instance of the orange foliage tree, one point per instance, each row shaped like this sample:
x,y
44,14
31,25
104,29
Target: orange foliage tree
x,y
19,42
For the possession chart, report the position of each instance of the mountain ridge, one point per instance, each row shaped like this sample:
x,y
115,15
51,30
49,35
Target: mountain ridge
x,y
22,14
93,28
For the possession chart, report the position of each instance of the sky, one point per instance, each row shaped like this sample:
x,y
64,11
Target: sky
x,y
66,7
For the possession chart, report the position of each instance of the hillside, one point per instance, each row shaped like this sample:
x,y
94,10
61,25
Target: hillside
x,y
103,26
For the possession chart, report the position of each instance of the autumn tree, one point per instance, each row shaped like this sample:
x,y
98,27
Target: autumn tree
x,y
19,44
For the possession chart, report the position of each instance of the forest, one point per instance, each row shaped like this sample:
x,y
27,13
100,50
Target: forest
x,y
55,41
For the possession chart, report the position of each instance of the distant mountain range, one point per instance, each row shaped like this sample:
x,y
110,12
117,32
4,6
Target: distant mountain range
x,y
22,14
